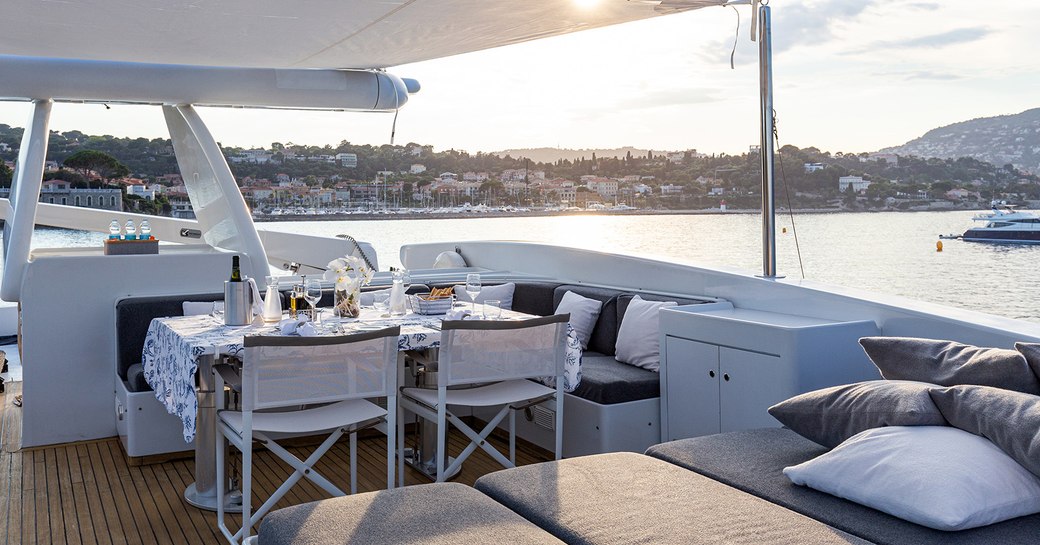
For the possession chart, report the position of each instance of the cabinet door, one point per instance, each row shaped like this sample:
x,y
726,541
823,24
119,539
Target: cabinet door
x,y
751,383
692,388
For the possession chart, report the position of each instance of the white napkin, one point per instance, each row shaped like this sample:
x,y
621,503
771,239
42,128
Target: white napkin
x,y
308,329
289,326
458,314
258,303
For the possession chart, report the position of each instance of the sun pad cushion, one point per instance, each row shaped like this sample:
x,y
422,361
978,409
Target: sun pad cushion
x,y
754,460
623,498
432,514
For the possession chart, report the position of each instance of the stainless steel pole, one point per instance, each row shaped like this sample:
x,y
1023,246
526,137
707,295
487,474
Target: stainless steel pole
x,y
765,78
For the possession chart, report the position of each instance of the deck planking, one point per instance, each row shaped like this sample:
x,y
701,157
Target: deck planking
x,y
87,493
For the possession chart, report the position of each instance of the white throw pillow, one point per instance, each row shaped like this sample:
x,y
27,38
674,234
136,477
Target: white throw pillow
x,y
501,292
936,476
368,298
639,340
196,308
584,312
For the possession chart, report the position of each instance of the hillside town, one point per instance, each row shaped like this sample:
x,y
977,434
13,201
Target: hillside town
x,y
287,180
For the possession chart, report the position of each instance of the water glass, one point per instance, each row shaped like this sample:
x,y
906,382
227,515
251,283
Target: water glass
x,y
381,302
312,295
492,309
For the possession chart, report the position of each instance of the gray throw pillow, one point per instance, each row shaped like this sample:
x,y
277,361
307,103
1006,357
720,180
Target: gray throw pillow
x,y
1010,420
832,415
584,313
1031,351
947,363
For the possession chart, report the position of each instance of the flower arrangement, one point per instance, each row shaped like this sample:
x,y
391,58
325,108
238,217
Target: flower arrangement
x,y
348,273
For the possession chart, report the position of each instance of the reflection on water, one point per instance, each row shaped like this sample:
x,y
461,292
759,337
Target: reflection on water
x,y
887,252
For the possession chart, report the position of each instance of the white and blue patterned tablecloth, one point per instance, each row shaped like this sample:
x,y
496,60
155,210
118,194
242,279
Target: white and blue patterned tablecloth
x,y
173,346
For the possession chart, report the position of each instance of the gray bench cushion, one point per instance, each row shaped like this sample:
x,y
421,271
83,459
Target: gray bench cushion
x,y
625,498
133,316
753,461
606,381
444,513
534,297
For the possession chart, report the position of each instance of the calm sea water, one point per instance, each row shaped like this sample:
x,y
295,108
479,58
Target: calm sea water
x,y
887,252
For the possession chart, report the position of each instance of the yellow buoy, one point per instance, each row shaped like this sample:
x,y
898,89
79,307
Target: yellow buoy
x,y
785,229
938,246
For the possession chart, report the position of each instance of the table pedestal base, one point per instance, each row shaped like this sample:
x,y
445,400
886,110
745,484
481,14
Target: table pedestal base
x,y
428,467
232,503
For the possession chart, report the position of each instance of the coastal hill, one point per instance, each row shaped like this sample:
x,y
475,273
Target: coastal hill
x,y
552,155
1003,139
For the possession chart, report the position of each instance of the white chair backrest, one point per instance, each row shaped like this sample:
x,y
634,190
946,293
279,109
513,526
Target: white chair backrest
x,y
494,350
291,371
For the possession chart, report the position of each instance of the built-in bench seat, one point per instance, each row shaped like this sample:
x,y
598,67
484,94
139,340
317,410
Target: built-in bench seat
x,y
616,406
606,381
145,427
133,316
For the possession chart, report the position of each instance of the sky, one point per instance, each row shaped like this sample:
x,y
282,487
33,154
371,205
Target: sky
x,y
850,76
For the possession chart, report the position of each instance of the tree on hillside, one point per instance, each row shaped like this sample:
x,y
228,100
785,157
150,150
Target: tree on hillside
x,y
74,178
5,175
100,163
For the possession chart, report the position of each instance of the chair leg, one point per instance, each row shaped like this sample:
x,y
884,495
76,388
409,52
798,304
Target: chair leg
x,y
559,418
512,435
442,437
247,486
221,484
353,463
400,451
391,429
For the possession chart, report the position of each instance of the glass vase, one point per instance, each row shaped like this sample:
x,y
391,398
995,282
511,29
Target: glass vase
x,y
347,304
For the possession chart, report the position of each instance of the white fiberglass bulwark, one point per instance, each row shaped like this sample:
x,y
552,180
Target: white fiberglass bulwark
x,y
312,34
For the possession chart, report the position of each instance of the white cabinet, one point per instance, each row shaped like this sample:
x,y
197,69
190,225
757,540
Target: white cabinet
x,y
722,368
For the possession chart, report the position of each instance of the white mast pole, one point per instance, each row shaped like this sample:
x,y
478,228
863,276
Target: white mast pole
x,y
765,74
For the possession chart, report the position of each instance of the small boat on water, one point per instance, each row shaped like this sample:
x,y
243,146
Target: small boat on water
x,y
1005,224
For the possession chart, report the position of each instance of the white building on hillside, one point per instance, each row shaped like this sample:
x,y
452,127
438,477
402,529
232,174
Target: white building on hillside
x,y
605,187
417,169
857,183
347,160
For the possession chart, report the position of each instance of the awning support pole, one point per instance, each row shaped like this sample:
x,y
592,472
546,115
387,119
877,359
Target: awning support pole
x,y
765,75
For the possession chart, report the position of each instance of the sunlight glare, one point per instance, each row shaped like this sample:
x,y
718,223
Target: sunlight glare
x,y
586,4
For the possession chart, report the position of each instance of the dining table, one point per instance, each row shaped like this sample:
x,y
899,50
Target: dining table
x,y
180,353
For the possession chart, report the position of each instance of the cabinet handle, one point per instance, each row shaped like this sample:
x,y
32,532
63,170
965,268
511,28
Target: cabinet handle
x,y
711,374
725,376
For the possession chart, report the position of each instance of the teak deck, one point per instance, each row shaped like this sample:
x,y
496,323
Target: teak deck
x,y
86,493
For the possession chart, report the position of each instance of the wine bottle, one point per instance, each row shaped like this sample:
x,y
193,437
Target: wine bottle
x,y
236,274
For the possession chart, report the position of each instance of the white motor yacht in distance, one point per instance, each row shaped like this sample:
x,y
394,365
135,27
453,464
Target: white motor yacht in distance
x,y
1007,225
330,55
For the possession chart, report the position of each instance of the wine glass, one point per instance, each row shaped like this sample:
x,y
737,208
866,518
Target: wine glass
x,y
312,294
473,289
